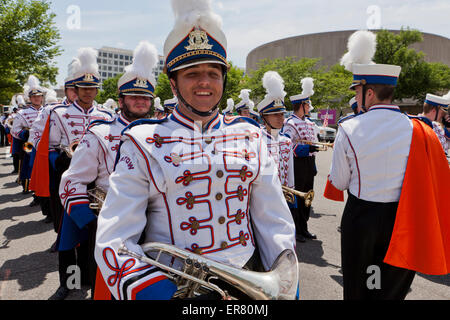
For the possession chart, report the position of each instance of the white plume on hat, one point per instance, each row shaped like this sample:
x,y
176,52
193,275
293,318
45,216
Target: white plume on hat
x,y
157,104
20,101
50,96
13,101
245,95
447,96
230,105
87,62
190,13
110,104
361,49
274,85
307,86
33,83
145,58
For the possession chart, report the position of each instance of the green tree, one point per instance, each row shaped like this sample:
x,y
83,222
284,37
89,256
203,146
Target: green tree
x,y
109,89
163,89
417,77
330,86
28,44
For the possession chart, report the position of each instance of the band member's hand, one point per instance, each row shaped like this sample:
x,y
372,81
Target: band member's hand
x,y
313,149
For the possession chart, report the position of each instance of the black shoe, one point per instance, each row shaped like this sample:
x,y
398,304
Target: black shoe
x,y
300,238
308,235
53,247
34,203
60,294
14,171
47,219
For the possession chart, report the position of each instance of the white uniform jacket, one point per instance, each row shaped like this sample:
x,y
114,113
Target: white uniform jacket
x,y
298,129
69,123
213,193
39,124
93,161
280,148
439,130
371,152
24,119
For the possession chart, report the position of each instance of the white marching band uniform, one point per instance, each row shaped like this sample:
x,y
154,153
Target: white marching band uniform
x,y
369,169
93,161
24,119
281,149
170,168
298,129
69,123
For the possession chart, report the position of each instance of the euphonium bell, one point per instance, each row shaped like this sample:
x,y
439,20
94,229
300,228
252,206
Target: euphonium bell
x,y
199,272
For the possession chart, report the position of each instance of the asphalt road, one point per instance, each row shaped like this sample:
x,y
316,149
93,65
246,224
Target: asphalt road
x,y
29,271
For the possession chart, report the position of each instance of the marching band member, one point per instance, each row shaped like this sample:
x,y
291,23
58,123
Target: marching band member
x,y
356,110
298,127
434,109
39,182
170,104
385,160
159,112
67,126
94,160
244,106
181,180
22,124
272,110
228,111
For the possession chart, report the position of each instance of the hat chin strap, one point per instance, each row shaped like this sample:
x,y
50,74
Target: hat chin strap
x,y
197,112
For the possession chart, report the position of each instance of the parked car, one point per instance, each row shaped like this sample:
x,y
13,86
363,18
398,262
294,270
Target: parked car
x,y
325,133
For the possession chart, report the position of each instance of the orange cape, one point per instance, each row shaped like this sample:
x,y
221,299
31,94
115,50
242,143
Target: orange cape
x,y
420,240
40,179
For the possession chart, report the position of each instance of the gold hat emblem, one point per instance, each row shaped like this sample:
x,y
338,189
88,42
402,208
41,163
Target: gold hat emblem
x,y
88,77
278,103
140,83
198,40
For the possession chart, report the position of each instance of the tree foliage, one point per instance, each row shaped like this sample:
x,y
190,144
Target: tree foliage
x,y
109,90
28,44
330,86
417,77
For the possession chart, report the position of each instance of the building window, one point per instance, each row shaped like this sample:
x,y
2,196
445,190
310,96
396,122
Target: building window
x,y
110,55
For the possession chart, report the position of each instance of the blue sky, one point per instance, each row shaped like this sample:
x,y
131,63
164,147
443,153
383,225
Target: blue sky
x,y
247,23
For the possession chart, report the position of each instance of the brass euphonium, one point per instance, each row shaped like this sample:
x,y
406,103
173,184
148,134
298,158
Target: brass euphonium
x,y
290,193
197,274
321,146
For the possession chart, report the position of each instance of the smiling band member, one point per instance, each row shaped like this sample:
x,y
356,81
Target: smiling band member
x,y
193,180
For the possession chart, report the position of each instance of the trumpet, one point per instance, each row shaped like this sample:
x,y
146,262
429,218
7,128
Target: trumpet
x,y
69,150
290,193
197,274
28,147
321,146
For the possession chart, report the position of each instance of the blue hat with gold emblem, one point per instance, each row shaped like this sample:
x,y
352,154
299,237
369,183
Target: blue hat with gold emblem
x,y
196,37
85,71
170,104
273,102
138,79
353,103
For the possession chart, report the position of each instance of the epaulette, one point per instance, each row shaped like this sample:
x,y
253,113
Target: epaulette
x,y
346,118
144,121
110,113
58,106
240,119
423,119
100,121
